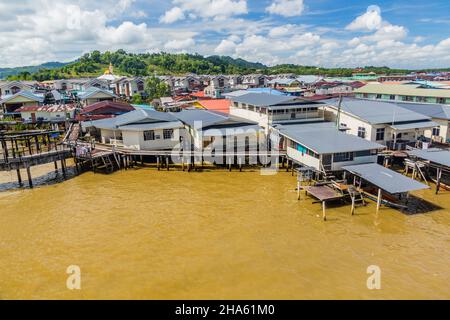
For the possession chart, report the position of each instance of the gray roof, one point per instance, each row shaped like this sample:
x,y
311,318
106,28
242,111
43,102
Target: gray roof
x,y
385,179
152,126
438,156
27,94
94,90
439,111
206,118
376,112
415,125
262,99
324,138
143,116
134,119
222,132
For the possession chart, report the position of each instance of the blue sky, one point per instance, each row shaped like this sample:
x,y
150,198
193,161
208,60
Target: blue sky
x,y
399,33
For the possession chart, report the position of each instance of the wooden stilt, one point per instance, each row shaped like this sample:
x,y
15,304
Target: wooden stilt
x,y
380,198
353,204
19,177
56,167
438,180
30,181
158,164
63,167
298,190
324,211
167,163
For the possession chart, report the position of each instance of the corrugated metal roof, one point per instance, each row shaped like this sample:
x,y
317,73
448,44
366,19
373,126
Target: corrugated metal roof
x,y
261,99
376,112
437,111
438,156
385,179
404,90
152,126
92,91
27,94
143,115
415,125
221,132
324,138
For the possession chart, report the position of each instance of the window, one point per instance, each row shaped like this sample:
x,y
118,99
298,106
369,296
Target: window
x,y
149,135
408,98
380,134
365,153
343,157
362,132
140,86
236,105
365,95
168,134
437,131
392,97
379,96
440,100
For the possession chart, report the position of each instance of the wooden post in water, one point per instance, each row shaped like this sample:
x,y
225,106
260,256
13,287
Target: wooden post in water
x,y
438,180
324,210
19,177
380,198
158,163
63,167
167,163
30,181
299,185
353,195
56,167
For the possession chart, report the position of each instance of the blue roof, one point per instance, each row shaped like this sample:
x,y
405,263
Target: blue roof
x,y
268,90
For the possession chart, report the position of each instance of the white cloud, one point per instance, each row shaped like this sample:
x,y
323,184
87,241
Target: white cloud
x,y
177,45
226,46
215,9
369,21
172,15
286,8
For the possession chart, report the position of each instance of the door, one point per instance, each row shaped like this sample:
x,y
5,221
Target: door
x,y
327,160
33,117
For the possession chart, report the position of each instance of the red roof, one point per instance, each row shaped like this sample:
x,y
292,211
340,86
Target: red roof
x,y
200,94
222,105
48,108
107,107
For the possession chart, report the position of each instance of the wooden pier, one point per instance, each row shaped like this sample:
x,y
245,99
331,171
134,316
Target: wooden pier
x,y
27,149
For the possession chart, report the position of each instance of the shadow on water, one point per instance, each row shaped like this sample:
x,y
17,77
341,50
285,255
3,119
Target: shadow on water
x,y
47,179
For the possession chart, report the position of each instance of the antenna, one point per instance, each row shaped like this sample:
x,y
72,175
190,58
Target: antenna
x,y
338,117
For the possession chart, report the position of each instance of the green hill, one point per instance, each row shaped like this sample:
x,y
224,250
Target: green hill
x,y
9,72
128,64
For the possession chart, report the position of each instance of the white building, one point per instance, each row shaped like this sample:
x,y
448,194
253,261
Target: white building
x,y
140,130
322,147
382,122
47,113
267,109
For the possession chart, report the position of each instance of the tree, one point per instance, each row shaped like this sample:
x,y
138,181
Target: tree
x,y
156,88
137,99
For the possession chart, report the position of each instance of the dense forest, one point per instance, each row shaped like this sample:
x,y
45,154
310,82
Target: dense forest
x,y
146,64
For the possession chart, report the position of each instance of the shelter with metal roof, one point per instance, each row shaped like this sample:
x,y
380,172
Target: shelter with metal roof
x,y
431,161
385,180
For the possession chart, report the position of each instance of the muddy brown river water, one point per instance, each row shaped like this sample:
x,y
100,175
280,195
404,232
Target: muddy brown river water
x,y
144,234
